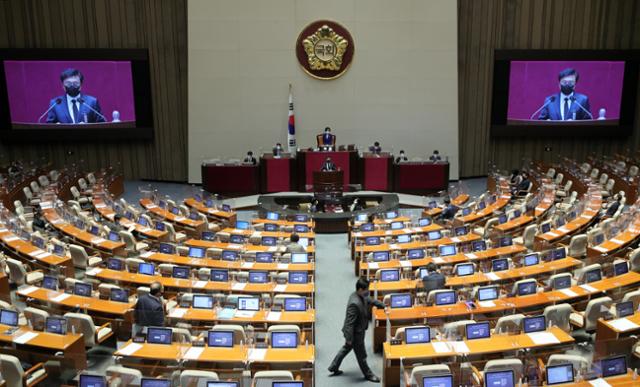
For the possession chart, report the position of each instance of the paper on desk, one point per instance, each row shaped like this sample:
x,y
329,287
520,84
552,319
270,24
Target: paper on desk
x,y
455,239
145,229
599,383
440,346
257,354
100,205
94,271
151,205
179,218
405,263
437,260
25,338
3,230
272,249
146,254
388,232
234,246
36,252
239,286
394,246
471,255
28,290
177,312
459,347
280,288
600,248
618,241
199,284
130,349
282,266
569,292
563,229
244,313
373,265
42,255
542,338
247,265
11,238
274,316
623,324
194,353
589,288
492,276
486,304
585,216
97,240
61,297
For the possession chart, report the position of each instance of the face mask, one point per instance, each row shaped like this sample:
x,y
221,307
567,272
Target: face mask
x,y
566,89
72,90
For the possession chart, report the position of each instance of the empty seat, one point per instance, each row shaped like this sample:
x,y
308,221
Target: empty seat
x,y
15,376
123,376
19,275
559,315
197,378
266,378
93,335
80,257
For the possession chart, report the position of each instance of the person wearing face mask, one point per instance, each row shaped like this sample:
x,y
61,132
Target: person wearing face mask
x,y
74,107
567,104
277,150
401,158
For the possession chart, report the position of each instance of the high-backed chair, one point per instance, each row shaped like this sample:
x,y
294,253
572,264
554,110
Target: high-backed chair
x,y
36,317
132,246
81,259
266,378
527,237
580,364
633,296
93,335
420,372
508,324
15,376
581,273
514,365
559,315
123,376
596,308
196,378
18,273
578,246
455,329
174,236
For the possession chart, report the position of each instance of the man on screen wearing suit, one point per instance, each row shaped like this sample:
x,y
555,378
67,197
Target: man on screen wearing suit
x,y
567,104
74,107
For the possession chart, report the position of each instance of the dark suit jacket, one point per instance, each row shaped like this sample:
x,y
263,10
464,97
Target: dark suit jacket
x,y
149,311
328,166
276,151
613,207
401,159
60,113
552,111
251,160
358,315
449,212
433,281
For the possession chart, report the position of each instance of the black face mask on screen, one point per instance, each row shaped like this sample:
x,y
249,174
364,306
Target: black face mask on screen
x,y
566,89
73,91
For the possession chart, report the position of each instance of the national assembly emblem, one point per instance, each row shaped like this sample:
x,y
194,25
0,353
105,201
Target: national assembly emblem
x,y
325,49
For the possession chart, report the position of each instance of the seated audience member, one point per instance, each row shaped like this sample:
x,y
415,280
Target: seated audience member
x,y
401,157
328,165
250,159
515,178
435,156
149,310
375,148
524,184
294,246
434,280
277,150
449,211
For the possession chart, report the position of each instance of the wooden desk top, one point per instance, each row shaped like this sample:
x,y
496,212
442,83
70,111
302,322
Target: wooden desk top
x,y
282,222
193,284
275,234
201,207
457,201
238,247
237,354
523,219
220,264
22,247
500,203
260,317
625,324
107,212
510,303
448,260
625,238
417,244
403,231
81,235
40,339
617,381
591,210
150,206
73,301
494,344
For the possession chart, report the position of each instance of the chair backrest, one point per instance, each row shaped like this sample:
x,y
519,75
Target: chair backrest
x,y
126,376
594,173
580,364
508,324
633,171
529,234
12,371
128,239
505,364
456,328
17,272
633,296
79,256
580,274
419,372
558,315
266,378
559,178
196,378
568,185
634,259
596,308
36,317
82,323
609,185
132,264
74,192
27,193
180,335
578,246
35,188
239,334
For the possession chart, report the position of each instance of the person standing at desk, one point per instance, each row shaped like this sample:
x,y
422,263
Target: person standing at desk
x,y
402,158
328,165
375,148
149,310
250,159
355,325
277,150
434,280
435,157
294,246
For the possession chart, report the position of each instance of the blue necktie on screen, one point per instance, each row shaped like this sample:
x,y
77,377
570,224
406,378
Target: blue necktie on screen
x,y
565,108
76,113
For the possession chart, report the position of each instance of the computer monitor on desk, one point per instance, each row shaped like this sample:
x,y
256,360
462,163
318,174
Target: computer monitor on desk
x,y
437,381
92,381
504,378
151,382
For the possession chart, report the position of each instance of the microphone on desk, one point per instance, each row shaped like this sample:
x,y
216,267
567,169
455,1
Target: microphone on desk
x,y
546,103
573,100
82,102
56,102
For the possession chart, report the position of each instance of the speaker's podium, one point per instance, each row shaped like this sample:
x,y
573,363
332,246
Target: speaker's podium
x,y
328,182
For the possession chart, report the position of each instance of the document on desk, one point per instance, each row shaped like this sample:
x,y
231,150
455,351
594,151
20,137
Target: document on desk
x,y
257,354
245,314
130,349
486,304
146,254
589,288
226,314
373,265
492,276
194,353
274,316
234,246
543,338
563,229
437,260
440,346
406,264
617,241
28,290
455,240
11,238
177,313
601,249
623,325
471,256
179,218
459,347
599,383
94,271
43,255
569,292
25,338
280,288
36,252
282,266
247,265
239,286
61,297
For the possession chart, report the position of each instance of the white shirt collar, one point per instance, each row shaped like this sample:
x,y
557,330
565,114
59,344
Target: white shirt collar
x,y
69,98
563,96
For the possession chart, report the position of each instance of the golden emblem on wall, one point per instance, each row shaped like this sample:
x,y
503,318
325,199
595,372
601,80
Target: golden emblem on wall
x,y
325,49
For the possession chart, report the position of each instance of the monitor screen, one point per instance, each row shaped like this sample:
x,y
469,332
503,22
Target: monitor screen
x,y
531,259
222,384
460,231
181,272
82,289
119,295
446,298
417,335
196,252
437,381
242,225
258,277
488,293
499,379
159,335
220,339
415,253
115,264
269,241
397,225
371,241
58,249
167,248
464,269
142,221
391,214
482,205
506,241
527,288
362,217
202,301
146,268
113,236
534,324
301,228
433,235
480,330
9,317
559,374
249,303
264,257
94,230
219,275
38,242
50,282
624,309
401,301
57,325
404,238
466,211
230,255
501,264
149,382
545,227
366,227
381,256
614,366
598,239
592,276
446,250
160,226
226,208
433,204
208,235
238,239
298,277
620,268
175,210
479,245
284,339
559,253
562,282
299,258
271,227
301,218
193,216
92,381
423,222
502,219
272,216
517,213
389,275
287,384
304,242
295,304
